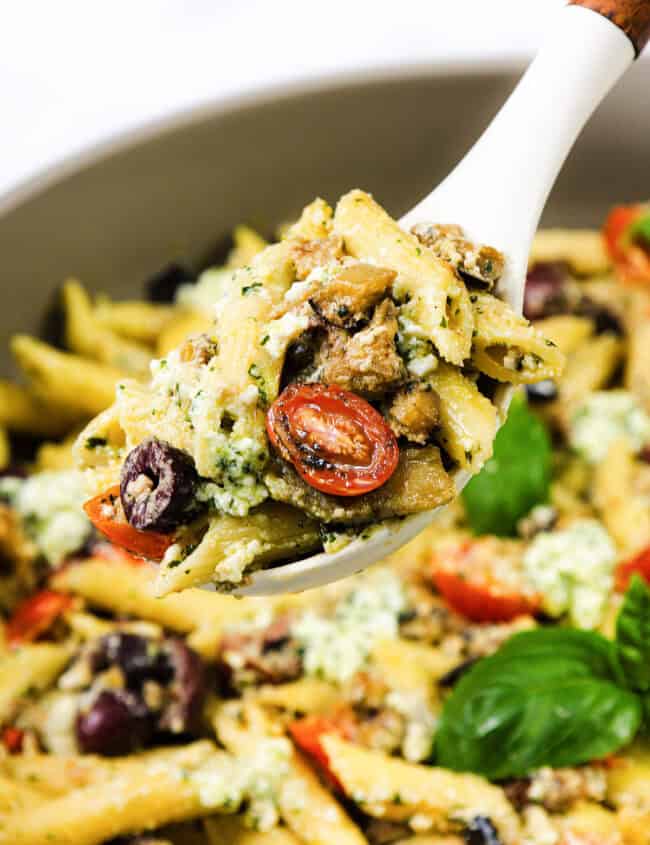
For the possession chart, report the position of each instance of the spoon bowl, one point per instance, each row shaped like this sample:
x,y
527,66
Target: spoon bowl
x,y
497,193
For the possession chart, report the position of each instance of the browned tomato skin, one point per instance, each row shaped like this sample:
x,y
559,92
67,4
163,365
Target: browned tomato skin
x,y
307,423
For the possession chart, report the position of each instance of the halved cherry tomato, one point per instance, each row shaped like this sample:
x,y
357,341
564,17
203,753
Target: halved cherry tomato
x,y
336,440
639,564
106,514
35,615
467,577
628,247
12,739
307,733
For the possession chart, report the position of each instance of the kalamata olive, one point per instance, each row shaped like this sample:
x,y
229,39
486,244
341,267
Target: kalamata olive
x,y
117,723
543,391
300,356
544,293
186,690
157,485
604,319
481,831
139,659
162,286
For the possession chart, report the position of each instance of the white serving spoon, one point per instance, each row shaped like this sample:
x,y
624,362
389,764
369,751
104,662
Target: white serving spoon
x,y
497,194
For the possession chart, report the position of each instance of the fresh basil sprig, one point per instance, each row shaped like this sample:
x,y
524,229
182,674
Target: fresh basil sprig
x,y
633,636
515,479
551,697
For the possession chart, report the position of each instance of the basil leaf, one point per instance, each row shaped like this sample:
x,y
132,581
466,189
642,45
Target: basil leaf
x,y
639,230
633,635
515,479
548,697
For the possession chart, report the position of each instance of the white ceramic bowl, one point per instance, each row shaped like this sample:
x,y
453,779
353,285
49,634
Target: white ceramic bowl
x,y
122,210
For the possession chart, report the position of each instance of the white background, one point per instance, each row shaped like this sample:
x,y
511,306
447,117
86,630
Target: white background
x,y
73,72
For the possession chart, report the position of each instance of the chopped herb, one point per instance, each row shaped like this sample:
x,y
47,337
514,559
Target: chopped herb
x,y
248,288
265,340
95,442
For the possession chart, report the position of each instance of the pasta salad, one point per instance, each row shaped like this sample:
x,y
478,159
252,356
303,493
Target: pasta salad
x,y
486,685
350,369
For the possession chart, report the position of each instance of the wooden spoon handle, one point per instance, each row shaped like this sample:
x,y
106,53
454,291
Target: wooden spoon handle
x,y
632,16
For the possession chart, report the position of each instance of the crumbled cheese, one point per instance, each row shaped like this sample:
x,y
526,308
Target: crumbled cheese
x,y
51,507
298,290
415,347
572,570
336,648
538,827
421,723
605,417
421,367
58,729
227,782
208,289
238,556
238,466
282,331
420,822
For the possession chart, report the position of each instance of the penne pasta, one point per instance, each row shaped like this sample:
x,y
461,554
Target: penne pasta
x,y
468,420
507,348
86,336
392,789
85,387
436,298
28,670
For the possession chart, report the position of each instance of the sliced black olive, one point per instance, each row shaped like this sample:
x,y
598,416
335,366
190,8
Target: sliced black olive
x,y
140,659
544,293
117,723
481,831
187,688
162,286
157,485
604,319
543,391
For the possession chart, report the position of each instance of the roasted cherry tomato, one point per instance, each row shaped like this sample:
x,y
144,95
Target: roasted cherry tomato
x,y
35,615
106,514
12,739
307,733
639,564
627,237
466,576
337,441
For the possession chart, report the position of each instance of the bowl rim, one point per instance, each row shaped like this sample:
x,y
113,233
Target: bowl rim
x,y
138,132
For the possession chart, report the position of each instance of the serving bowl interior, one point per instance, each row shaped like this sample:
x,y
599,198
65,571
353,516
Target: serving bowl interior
x,y
116,214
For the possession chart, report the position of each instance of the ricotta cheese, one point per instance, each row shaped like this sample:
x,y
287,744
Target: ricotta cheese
x,y
572,570
607,416
336,648
283,331
51,507
208,289
227,782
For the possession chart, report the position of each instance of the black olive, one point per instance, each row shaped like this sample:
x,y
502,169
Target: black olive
x,y
139,659
604,319
481,831
187,688
157,485
162,286
544,293
117,723
543,391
